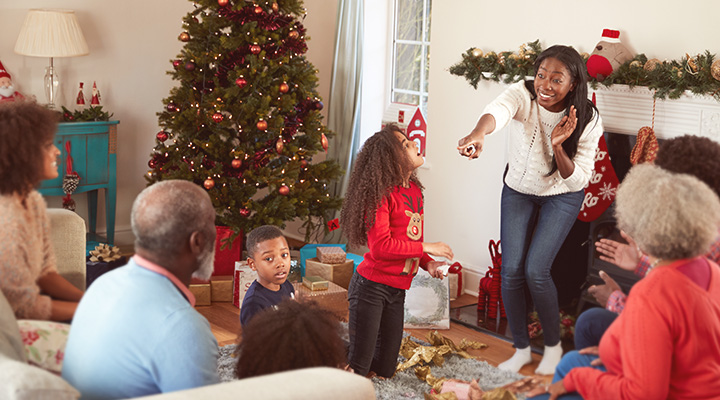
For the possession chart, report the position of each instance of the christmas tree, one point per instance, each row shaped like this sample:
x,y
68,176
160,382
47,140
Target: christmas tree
x,y
245,119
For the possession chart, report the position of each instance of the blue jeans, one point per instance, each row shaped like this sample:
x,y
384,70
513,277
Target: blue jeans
x,y
591,325
569,361
532,230
375,326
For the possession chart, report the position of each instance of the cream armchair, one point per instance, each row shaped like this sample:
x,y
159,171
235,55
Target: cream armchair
x,y
67,232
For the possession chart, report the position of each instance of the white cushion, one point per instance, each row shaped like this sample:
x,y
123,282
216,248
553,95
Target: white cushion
x,y
11,344
22,381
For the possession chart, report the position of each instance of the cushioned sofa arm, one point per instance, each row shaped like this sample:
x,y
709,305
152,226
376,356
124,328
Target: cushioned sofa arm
x,y
67,232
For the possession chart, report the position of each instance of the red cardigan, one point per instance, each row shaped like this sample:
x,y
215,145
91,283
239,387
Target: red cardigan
x,y
665,345
395,241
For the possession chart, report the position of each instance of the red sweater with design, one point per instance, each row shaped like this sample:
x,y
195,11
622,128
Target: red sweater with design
x,y
395,241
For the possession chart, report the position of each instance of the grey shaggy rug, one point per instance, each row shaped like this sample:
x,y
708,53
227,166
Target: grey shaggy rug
x,y
405,385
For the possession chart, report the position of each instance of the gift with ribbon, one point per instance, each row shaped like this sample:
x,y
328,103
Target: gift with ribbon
x,y
455,282
227,250
102,259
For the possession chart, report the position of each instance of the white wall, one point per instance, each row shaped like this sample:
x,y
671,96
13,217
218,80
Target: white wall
x,y
131,43
463,197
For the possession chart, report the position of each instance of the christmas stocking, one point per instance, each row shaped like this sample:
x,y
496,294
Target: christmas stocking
x,y
600,192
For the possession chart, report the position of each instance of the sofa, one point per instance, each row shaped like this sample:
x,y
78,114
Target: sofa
x,y
20,380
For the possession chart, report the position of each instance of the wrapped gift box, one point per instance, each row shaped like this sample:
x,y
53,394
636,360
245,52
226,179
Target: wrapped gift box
x,y
226,253
221,287
202,293
334,299
315,283
337,273
242,279
310,251
330,254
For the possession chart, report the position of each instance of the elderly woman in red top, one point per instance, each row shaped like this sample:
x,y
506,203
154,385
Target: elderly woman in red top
x,y
28,276
666,344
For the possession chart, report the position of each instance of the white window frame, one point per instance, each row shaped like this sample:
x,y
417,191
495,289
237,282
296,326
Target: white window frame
x,y
424,45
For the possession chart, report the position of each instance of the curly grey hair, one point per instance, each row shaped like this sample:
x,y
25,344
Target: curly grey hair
x,y
670,216
165,214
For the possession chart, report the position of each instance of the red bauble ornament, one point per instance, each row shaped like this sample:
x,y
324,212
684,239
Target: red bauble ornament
x,y
152,163
162,136
284,190
293,35
262,125
223,3
190,66
258,10
209,183
303,163
324,142
241,82
279,145
176,63
184,37
255,49
284,87
236,163
319,105
217,117
172,107
244,212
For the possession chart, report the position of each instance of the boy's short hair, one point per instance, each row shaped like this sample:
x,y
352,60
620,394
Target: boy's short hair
x,y
261,234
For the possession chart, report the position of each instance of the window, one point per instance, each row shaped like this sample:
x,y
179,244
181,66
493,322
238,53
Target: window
x,y
411,52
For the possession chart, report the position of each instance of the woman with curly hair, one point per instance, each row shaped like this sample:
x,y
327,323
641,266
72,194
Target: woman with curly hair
x,y
553,134
665,344
28,275
383,209
291,335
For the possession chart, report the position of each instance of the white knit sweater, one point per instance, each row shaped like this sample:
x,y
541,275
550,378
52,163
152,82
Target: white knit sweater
x,y
530,150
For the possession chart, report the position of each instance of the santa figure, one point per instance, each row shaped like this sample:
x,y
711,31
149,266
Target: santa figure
x,y
7,90
95,95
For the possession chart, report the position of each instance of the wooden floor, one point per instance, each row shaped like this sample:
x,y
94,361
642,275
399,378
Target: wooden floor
x,y
225,323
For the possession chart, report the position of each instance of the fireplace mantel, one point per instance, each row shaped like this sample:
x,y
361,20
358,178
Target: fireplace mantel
x,y
625,110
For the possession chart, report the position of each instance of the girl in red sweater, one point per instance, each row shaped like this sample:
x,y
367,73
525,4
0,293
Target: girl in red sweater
x,y
383,209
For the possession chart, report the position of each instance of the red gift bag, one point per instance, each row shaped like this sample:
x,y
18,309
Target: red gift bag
x,y
489,291
226,252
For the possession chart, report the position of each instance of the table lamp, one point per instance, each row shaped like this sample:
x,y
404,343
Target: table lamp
x,y
51,33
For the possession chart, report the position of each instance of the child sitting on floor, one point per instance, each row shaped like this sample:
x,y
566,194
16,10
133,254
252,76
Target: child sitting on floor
x,y
269,255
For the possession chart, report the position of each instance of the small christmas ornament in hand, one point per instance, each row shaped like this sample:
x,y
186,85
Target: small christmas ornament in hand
x,y
7,90
608,55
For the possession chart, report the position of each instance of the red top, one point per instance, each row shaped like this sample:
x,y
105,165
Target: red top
x,y
665,344
395,241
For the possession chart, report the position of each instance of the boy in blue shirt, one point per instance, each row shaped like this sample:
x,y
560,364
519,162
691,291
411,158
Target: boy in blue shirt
x,y
269,255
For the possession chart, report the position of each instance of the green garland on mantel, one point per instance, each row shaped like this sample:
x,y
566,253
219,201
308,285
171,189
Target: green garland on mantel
x,y
669,79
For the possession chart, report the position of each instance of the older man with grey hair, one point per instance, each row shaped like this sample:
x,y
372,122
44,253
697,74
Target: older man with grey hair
x,y
136,332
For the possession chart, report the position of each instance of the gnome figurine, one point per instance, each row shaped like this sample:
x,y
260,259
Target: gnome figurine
x,y
609,54
7,90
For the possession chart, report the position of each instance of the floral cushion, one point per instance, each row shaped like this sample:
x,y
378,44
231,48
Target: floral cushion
x,y
44,343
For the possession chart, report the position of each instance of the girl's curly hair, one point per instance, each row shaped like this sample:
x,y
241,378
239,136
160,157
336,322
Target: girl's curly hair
x,y
25,129
381,165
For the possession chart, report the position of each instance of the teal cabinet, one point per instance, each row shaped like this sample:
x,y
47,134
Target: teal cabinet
x,y
93,148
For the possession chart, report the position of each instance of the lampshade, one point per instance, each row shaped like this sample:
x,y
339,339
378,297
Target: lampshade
x,y
51,33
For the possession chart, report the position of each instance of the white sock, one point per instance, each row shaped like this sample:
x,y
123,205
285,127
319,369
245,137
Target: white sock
x,y
550,360
520,358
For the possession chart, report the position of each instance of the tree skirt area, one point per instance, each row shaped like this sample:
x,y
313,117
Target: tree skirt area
x,y
405,385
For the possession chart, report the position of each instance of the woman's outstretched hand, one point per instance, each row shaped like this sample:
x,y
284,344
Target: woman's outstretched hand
x,y
471,145
625,256
565,128
438,249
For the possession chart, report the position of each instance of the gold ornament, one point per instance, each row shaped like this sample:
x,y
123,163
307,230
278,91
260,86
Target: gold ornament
x,y
651,64
293,35
491,54
715,69
209,183
584,55
691,66
184,37
275,7
477,52
636,64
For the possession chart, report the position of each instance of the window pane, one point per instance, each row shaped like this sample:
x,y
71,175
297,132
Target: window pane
x,y
405,98
424,105
427,69
409,19
408,59
427,20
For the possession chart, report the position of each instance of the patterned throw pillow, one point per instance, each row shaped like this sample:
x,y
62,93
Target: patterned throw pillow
x,y
427,303
44,343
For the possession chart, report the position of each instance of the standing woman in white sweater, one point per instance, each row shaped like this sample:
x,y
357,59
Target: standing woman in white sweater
x,y
553,134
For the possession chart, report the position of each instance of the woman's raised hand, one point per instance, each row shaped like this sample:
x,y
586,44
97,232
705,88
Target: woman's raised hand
x,y
565,128
471,145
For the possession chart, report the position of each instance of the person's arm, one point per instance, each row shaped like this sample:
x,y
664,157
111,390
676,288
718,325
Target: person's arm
x,y
57,287
584,159
562,131
472,145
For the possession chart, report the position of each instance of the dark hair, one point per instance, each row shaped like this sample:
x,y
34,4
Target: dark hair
x,y
25,129
292,336
380,166
692,155
259,235
577,97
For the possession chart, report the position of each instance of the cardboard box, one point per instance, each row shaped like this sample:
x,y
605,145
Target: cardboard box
x,y
334,299
221,287
309,251
337,273
330,255
202,293
315,283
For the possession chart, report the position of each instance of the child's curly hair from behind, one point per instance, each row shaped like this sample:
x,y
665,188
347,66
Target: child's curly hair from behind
x,y
381,165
